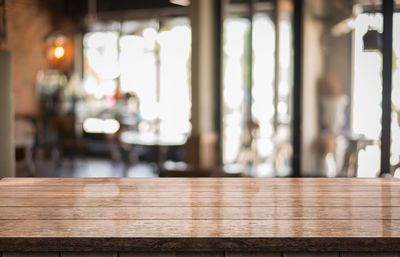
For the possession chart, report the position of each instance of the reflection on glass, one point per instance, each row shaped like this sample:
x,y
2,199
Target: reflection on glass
x,y
342,90
256,113
282,137
175,48
367,95
101,63
235,30
263,108
148,61
395,129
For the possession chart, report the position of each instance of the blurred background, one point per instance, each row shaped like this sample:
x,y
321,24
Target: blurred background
x,y
259,88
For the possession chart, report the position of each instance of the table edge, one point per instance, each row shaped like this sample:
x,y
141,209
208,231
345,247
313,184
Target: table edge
x,y
369,244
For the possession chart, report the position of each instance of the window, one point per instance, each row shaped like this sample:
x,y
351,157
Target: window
x,y
257,71
148,59
367,95
395,146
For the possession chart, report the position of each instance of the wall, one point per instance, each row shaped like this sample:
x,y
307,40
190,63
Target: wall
x,y
27,25
339,48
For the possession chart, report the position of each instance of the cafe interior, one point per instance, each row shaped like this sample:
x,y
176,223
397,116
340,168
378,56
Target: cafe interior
x,y
199,88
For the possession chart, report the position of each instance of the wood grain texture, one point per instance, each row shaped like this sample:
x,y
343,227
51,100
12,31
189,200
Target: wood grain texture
x,y
265,228
192,214
321,254
252,254
201,181
199,254
115,187
36,254
177,195
122,201
147,254
140,244
366,254
92,254
199,213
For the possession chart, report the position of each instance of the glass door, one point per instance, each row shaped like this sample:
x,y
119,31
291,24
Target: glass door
x,y
257,71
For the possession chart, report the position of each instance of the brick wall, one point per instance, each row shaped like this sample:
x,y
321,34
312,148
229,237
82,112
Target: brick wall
x,y
28,23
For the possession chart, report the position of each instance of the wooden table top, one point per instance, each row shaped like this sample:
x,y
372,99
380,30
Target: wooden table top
x,y
210,213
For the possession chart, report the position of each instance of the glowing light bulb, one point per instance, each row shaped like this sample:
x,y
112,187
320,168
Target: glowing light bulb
x,y
59,52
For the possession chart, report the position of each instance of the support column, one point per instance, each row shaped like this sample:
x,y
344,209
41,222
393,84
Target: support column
x,y
202,145
297,88
387,52
7,152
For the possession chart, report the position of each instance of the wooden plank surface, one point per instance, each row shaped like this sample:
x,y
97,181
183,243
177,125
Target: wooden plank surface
x,y
200,188
91,254
200,181
199,213
122,201
27,254
164,214
321,254
200,228
252,254
177,195
368,254
199,254
147,254
115,188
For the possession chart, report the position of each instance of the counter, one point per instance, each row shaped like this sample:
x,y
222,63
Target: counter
x,y
232,217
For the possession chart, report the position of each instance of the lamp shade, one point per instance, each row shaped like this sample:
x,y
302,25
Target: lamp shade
x,y
372,40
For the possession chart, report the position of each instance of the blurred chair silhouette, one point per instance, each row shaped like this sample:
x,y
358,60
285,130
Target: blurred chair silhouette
x,y
26,141
68,142
200,158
